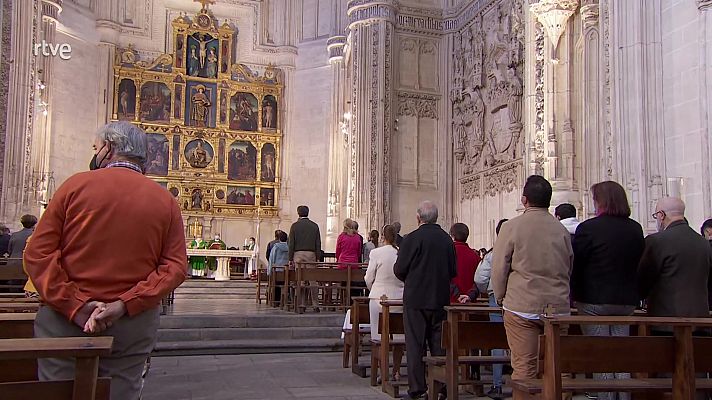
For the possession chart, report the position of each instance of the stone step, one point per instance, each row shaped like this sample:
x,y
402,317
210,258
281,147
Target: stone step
x,y
328,320
208,283
249,346
210,334
216,291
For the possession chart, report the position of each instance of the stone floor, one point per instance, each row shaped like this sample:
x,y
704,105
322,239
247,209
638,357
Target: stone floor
x,y
248,377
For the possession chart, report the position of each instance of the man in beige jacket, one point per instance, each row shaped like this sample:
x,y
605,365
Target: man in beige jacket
x,y
531,268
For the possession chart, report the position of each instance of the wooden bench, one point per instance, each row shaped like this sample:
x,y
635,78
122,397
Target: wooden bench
x,y
86,384
323,274
680,354
19,307
389,324
10,273
467,329
352,337
262,284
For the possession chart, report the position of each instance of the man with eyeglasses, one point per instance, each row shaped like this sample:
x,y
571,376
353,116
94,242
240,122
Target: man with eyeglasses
x,y
674,271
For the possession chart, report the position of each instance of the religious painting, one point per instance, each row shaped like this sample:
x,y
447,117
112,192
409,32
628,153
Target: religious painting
x,y
268,162
157,155
155,102
175,164
200,99
199,153
202,55
267,197
127,100
269,112
243,112
242,161
223,106
196,199
241,195
221,156
180,50
179,101
225,56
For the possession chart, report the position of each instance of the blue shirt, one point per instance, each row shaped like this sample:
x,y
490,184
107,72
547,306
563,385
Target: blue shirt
x,y
278,256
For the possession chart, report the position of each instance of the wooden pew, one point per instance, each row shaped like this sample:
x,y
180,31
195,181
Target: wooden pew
x,y
682,354
352,337
322,273
262,284
12,273
273,282
467,328
389,324
17,326
19,307
86,384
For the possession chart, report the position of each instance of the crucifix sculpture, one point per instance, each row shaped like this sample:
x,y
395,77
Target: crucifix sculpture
x,y
205,3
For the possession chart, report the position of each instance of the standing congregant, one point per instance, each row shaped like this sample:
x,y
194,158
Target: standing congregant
x,y
426,263
531,267
305,247
674,272
79,262
16,245
467,262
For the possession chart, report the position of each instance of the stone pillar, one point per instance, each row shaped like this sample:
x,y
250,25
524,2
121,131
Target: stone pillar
x,y
371,31
555,75
705,87
20,107
40,175
638,104
340,124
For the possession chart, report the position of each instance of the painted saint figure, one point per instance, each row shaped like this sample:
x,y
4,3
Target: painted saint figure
x,y
212,68
200,108
267,112
199,157
193,68
124,103
197,199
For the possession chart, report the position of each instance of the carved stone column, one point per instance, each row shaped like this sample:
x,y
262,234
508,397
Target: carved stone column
x,y
340,130
556,76
638,104
19,114
371,31
705,21
39,177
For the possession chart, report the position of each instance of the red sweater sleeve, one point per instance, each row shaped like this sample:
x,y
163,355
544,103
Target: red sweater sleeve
x,y
43,260
169,274
339,246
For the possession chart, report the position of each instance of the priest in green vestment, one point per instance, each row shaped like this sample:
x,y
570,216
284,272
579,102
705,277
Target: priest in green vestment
x,y
198,263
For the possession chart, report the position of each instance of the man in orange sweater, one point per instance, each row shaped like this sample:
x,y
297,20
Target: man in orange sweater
x,y
108,248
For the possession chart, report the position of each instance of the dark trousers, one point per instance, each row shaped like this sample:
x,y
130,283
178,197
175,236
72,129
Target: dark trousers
x,y
422,327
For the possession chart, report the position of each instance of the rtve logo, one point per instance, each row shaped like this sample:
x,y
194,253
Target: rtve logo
x,y
64,50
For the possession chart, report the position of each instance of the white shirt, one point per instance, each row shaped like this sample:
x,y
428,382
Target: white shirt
x,y
380,278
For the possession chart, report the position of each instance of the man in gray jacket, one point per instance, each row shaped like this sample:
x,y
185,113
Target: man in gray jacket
x,y
531,268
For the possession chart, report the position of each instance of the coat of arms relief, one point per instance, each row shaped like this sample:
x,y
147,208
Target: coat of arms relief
x,y
487,98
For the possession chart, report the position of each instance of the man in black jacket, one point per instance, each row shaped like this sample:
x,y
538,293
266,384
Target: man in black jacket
x,y
426,263
674,270
305,247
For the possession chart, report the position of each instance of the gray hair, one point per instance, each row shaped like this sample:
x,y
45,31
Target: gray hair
x,y
428,212
126,139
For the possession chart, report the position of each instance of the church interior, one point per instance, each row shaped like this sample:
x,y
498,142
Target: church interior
x,y
360,110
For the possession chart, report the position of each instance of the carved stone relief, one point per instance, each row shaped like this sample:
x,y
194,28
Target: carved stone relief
x,y
418,60
487,92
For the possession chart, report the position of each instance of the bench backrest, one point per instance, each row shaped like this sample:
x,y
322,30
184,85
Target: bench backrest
x,y
360,312
86,352
480,335
17,326
12,272
395,323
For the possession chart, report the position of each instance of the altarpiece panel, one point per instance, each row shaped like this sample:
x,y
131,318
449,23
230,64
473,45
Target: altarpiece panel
x,y
213,124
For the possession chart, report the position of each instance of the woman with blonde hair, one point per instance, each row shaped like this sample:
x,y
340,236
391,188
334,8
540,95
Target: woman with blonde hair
x,y
348,246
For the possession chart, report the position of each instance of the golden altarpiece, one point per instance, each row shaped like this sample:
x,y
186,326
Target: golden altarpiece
x,y
214,125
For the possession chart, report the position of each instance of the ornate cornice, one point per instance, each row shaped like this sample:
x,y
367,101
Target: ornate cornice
x,y
335,46
364,12
418,105
704,5
554,15
51,9
589,15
